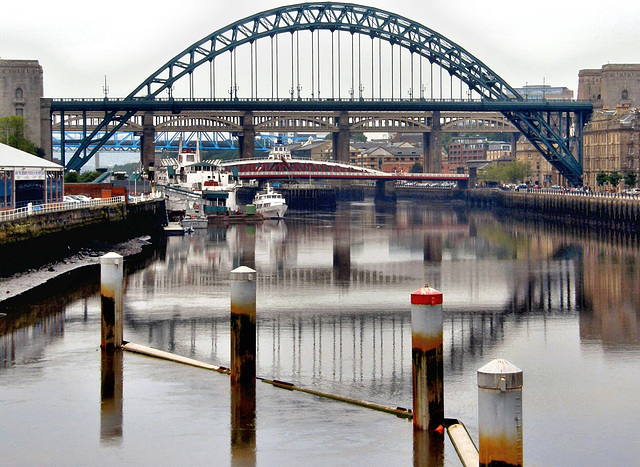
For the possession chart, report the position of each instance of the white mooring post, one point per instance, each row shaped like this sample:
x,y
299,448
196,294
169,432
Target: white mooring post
x,y
427,359
243,325
111,285
500,414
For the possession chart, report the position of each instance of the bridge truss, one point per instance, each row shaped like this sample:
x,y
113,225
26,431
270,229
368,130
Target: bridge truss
x,y
338,57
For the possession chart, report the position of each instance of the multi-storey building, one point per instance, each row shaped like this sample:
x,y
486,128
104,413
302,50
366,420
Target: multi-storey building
x,y
544,91
611,143
388,157
542,173
499,151
463,150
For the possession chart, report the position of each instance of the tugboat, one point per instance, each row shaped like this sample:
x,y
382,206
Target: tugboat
x,y
270,204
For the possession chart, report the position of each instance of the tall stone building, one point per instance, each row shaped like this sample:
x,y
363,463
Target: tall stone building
x,y
21,94
611,144
543,173
612,86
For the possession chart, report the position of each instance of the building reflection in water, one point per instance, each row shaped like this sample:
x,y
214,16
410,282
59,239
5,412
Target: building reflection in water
x,y
490,273
333,301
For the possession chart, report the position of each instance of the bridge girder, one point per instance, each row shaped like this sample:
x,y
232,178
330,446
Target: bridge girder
x,y
353,19
403,122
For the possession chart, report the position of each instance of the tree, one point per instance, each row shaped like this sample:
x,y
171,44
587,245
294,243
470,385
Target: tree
x,y
416,168
12,130
614,179
515,171
490,174
71,177
87,177
630,179
358,138
510,172
602,178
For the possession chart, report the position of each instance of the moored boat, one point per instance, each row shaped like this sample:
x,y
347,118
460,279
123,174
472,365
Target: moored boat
x,y
270,204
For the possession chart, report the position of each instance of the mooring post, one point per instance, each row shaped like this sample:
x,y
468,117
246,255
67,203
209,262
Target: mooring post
x,y
243,325
111,284
426,353
500,414
243,366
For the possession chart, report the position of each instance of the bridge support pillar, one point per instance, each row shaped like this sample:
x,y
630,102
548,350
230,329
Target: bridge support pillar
x,y
385,191
341,139
514,144
247,138
432,146
147,144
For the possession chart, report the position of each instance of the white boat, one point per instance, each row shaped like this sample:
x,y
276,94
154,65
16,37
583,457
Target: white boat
x,y
270,204
173,228
188,179
195,222
279,152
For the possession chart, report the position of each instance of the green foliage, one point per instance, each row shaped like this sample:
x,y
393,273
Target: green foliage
x,y
490,174
88,177
602,178
630,179
416,168
71,177
12,130
510,172
614,178
357,138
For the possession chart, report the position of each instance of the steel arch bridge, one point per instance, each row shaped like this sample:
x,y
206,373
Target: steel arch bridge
x,y
554,128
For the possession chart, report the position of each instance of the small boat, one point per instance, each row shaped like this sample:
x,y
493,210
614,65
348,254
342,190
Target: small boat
x,y
195,222
173,229
270,204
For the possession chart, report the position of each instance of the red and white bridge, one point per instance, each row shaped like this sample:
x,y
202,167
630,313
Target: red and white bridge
x,y
263,169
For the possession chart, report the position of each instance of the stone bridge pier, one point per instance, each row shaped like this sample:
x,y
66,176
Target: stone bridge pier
x,y
385,191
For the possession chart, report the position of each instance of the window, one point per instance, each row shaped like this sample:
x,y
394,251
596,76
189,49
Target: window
x,y
19,112
19,94
625,95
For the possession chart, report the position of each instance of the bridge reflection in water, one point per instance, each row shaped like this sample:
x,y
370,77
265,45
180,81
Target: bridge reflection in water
x,y
333,314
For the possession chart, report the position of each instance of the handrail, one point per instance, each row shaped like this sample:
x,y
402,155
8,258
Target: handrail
x,y
29,210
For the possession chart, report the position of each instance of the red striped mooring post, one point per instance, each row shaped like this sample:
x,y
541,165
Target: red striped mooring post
x,y
243,325
500,414
111,295
426,353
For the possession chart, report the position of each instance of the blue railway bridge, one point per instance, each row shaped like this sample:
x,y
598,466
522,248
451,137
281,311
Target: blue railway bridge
x,y
323,67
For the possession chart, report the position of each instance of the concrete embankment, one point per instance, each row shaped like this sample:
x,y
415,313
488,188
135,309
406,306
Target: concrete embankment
x,y
604,212
37,239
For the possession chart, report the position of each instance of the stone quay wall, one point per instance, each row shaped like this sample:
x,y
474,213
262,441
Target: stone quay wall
x,y
610,212
40,238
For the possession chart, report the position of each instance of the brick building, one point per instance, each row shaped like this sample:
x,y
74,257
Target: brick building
x,y
463,150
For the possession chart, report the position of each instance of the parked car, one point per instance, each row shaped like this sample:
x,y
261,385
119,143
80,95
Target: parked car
x,y
71,200
82,198
632,191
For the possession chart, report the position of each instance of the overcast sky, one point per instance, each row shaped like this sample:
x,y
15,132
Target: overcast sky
x,y
78,42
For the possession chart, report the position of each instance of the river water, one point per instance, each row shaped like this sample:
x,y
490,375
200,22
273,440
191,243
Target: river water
x,y
333,314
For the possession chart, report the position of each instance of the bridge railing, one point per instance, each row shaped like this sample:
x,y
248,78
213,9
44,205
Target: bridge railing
x,y
29,210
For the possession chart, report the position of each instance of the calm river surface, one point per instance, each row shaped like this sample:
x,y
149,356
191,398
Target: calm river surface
x,y
333,306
